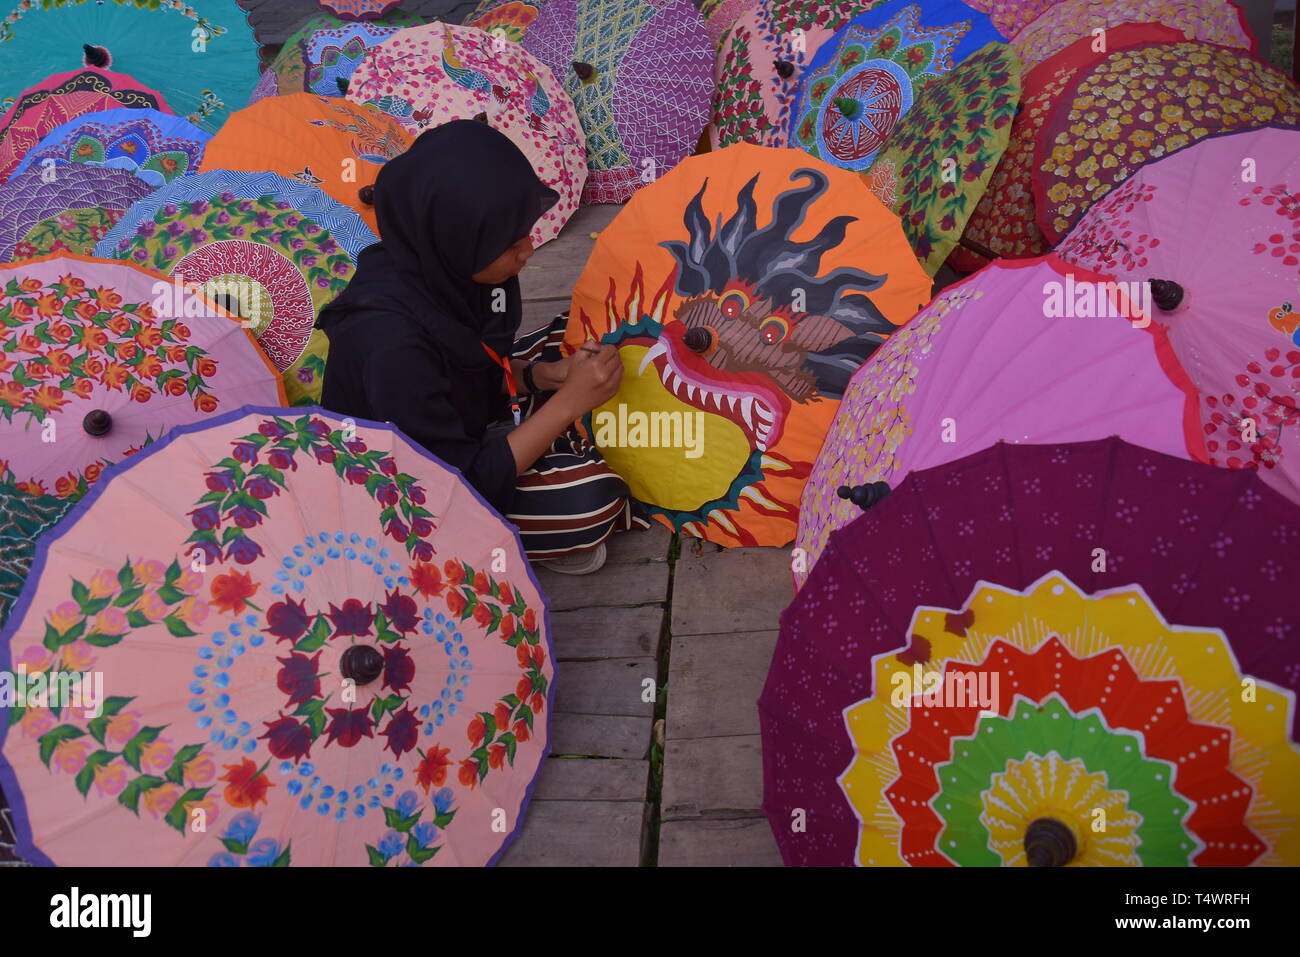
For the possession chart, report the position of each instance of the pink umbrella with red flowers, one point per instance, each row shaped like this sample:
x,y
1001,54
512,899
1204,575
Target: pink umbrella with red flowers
x,y
100,358
319,646
1228,296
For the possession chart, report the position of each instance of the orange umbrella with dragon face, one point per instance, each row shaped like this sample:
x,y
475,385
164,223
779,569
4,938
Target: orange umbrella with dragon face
x,y
742,290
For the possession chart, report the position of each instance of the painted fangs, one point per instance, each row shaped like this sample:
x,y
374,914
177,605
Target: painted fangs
x,y
758,418
654,352
747,410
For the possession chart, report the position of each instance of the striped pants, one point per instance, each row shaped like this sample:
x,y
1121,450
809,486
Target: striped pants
x,y
570,500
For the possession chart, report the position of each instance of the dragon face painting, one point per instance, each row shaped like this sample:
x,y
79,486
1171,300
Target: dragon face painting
x,y
753,332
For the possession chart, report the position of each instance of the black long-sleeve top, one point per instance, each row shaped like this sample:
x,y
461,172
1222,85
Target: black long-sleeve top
x,y
382,366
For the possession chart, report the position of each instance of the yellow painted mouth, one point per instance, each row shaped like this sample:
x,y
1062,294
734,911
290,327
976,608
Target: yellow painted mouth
x,y
665,476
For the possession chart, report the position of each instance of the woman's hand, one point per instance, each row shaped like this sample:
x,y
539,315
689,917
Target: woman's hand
x,y
594,375
549,376
592,378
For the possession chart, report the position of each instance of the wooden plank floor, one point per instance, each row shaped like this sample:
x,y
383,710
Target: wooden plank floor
x,y
700,628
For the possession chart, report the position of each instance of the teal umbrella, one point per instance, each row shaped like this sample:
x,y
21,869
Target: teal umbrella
x,y
199,54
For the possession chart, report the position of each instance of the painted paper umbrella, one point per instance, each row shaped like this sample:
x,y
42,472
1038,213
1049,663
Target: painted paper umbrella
x,y
359,9
68,209
327,142
319,640
322,55
742,290
721,15
24,518
1213,21
275,22
1003,219
510,19
863,82
759,63
937,161
1077,159
157,147
991,359
63,97
1225,279
1049,636
429,75
640,76
272,250
1009,17
199,54
99,358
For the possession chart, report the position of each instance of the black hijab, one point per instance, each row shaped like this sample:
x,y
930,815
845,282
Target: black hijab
x,y
447,208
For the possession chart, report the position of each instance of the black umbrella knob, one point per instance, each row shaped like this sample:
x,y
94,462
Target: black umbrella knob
x,y
864,496
367,195
362,663
481,117
784,69
585,71
1049,843
97,423
95,56
229,302
698,339
1167,294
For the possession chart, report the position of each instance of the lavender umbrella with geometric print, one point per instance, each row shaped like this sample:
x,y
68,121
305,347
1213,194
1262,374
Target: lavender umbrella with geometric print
x,y
76,206
640,76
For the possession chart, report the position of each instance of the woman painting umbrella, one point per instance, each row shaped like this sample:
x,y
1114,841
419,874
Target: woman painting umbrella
x,y
418,337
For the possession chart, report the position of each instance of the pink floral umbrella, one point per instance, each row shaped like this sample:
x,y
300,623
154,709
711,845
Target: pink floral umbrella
x,y
319,646
992,359
63,97
759,64
429,75
1060,24
1230,292
721,16
92,372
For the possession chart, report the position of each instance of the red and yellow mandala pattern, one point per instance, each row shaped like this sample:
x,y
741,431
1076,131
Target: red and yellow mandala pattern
x,y
1146,727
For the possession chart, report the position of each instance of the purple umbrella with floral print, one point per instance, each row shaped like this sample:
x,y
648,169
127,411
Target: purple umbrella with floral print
x,y
69,209
272,249
319,645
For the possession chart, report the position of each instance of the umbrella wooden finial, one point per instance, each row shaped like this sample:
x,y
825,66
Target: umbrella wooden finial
x,y
367,195
864,496
848,106
1167,294
698,339
585,71
362,663
96,56
784,69
97,423
1049,843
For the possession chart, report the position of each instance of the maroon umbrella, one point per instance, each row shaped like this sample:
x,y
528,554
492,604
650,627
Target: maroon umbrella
x,y
1085,615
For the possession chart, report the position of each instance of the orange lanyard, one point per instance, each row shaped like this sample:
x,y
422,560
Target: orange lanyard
x,y
515,397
